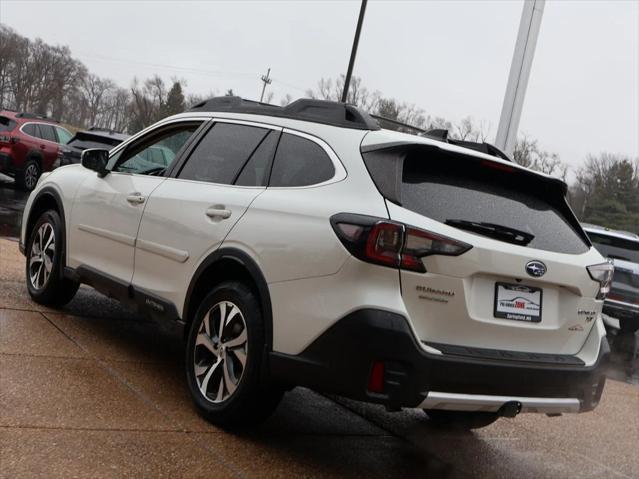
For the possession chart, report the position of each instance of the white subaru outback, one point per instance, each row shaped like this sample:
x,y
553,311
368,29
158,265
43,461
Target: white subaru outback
x,y
304,245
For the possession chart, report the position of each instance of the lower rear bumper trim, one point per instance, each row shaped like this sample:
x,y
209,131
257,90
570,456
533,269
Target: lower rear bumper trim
x,y
486,403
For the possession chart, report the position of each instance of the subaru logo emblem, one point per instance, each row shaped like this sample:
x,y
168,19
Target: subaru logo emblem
x,y
535,268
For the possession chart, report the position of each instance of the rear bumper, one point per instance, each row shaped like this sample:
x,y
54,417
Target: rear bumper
x,y
624,312
340,362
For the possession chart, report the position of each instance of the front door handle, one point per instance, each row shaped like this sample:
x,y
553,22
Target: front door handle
x,y
135,199
218,212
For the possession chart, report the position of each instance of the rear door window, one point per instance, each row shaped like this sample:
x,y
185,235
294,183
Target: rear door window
x,y
481,197
222,153
47,133
300,162
256,170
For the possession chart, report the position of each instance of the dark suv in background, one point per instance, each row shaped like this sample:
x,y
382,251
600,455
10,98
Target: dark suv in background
x,y
29,145
83,140
622,248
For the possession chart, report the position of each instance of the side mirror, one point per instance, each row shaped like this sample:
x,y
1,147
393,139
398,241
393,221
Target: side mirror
x,y
96,159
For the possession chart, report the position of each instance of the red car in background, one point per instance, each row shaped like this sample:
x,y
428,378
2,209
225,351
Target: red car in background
x,y
29,145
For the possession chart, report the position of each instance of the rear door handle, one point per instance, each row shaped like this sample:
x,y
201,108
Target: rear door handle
x,y
135,199
218,212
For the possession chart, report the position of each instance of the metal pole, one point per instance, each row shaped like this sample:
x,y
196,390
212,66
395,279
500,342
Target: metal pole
x,y
347,80
267,81
519,74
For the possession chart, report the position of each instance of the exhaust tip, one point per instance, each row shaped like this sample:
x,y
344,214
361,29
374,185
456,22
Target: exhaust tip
x,y
509,409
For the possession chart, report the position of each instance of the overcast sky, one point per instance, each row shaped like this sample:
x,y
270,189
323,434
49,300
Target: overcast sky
x,y
451,58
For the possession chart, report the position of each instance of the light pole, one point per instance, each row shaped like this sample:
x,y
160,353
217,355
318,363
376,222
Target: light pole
x,y
519,74
349,73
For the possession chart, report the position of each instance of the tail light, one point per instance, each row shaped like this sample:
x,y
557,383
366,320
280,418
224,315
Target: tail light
x,y
387,243
602,273
376,378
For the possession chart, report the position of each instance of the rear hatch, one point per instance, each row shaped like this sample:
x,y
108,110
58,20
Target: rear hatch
x,y
523,286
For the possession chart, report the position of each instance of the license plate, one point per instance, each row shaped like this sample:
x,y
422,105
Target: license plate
x,y
517,302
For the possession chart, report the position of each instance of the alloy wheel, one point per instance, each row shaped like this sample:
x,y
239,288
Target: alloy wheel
x,y
41,256
220,352
31,176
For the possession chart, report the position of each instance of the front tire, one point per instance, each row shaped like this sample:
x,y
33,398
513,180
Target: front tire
x,y
461,420
224,356
44,265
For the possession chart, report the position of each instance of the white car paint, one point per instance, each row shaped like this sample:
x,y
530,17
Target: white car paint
x,y
313,281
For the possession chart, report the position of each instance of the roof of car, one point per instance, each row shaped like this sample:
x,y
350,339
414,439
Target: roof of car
x,y
602,230
26,116
318,111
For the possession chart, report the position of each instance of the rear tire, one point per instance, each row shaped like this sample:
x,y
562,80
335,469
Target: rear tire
x,y
224,356
27,179
461,420
45,263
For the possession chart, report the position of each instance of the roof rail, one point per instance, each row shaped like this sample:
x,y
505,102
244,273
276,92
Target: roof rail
x,y
318,111
35,116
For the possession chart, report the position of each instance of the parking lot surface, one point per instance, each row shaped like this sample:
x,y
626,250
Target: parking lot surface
x,y
95,390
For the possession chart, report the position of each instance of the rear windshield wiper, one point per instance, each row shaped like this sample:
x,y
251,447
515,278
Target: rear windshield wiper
x,y
500,232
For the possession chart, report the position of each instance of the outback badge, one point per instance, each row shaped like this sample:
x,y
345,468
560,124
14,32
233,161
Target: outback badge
x,y
535,268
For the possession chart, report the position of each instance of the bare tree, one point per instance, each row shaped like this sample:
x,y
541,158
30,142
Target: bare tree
x,y
528,153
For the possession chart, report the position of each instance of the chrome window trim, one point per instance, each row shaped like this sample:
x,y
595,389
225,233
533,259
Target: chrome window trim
x,y
41,123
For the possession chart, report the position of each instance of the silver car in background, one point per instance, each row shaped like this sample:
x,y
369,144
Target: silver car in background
x,y
622,248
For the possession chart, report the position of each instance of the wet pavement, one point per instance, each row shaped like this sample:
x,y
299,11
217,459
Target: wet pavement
x,y
12,202
95,390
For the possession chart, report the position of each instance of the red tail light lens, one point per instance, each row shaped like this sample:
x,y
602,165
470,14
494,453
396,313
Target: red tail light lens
x,y
376,378
379,241
384,243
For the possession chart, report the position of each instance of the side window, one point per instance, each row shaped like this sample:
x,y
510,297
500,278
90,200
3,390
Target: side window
x,y
154,154
47,132
300,162
222,152
29,129
256,170
63,135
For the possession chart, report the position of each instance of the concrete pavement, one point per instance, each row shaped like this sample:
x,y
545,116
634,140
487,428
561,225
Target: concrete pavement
x,y
94,390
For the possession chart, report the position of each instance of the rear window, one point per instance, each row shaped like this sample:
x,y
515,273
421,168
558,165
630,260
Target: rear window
x,y
6,124
616,248
460,190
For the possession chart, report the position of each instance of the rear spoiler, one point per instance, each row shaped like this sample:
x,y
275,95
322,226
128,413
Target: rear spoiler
x,y
399,149
442,135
